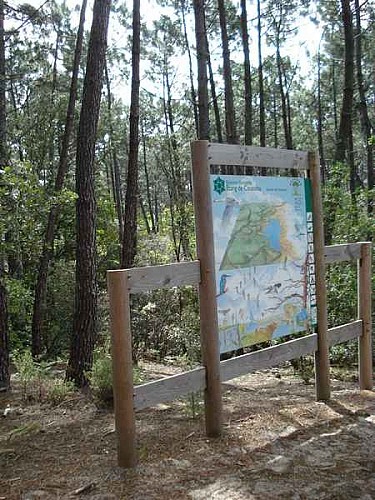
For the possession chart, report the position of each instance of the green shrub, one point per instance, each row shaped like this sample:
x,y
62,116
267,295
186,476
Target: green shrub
x,y
59,390
100,378
36,383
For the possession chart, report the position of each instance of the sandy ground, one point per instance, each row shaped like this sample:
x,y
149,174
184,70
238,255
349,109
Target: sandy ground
x,y
277,443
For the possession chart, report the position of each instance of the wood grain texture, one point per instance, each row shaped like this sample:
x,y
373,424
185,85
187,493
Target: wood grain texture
x,y
342,253
169,388
122,368
144,279
343,333
207,288
269,357
322,375
251,156
365,313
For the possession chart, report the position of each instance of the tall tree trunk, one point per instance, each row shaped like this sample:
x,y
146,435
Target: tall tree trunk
x,y
4,338
366,126
116,180
342,146
284,111
191,73
147,178
85,313
129,241
320,123
200,34
230,115
215,102
275,121
39,307
334,101
262,114
247,76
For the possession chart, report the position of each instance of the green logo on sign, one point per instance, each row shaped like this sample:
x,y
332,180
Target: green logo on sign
x,y
219,185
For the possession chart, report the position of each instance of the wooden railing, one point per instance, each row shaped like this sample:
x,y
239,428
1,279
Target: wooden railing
x,y
122,283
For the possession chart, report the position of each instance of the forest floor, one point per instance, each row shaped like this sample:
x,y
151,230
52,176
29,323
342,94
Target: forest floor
x,y
278,443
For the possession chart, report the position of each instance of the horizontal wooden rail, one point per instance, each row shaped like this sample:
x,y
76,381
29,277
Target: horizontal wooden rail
x,y
169,388
145,279
342,253
346,332
251,156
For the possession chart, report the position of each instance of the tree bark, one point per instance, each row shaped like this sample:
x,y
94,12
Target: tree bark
x,y
40,293
85,313
262,115
200,34
342,146
230,115
284,111
116,180
366,126
129,242
247,76
4,334
191,74
214,100
320,124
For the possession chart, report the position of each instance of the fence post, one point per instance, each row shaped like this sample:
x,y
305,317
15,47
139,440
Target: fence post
x,y
122,367
364,313
207,287
322,376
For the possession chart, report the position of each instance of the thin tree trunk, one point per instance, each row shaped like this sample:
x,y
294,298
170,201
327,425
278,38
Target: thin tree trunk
x,y
4,334
284,112
247,76
366,126
117,196
214,99
200,34
342,146
230,115
275,122
320,123
262,115
39,307
129,242
191,74
85,313
147,178
334,100
4,338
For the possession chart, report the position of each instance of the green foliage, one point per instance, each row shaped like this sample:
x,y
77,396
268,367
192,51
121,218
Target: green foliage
x,y
36,384
165,323
20,302
100,378
59,390
193,404
304,368
28,371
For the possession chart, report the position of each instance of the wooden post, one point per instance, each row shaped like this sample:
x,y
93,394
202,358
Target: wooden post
x,y
322,377
122,367
207,287
364,312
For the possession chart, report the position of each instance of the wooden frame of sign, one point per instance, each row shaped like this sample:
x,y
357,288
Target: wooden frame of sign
x,y
205,155
124,282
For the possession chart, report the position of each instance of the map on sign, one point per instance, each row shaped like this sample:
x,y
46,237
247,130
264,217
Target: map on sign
x,y
264,258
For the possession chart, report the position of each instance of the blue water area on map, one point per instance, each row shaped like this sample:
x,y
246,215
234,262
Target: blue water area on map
x,y
272,232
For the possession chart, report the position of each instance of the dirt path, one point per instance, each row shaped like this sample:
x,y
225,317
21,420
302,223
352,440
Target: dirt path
x,y
278,443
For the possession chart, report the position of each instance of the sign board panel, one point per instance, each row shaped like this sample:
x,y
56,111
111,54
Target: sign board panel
x,y
264,258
